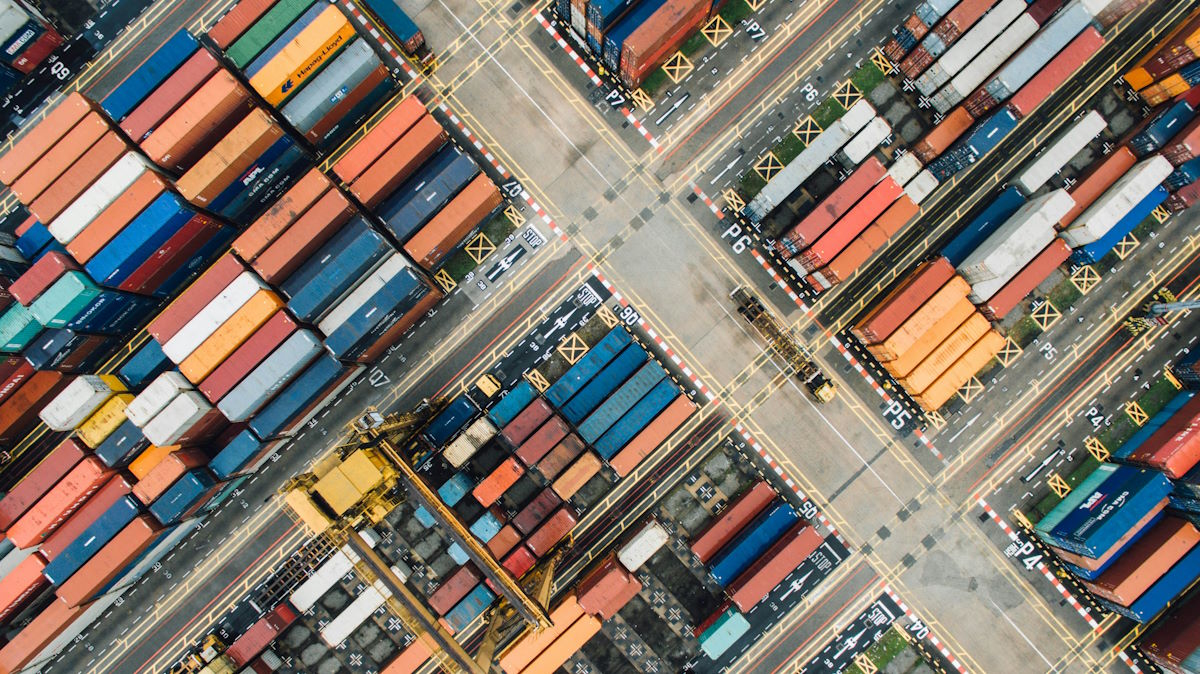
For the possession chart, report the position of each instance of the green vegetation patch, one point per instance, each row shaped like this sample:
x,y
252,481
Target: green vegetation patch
x,y
751,184
867,78
734,12
828,112
1024,331
1157,396
788,149
1064,295
693,44
882,652
654,82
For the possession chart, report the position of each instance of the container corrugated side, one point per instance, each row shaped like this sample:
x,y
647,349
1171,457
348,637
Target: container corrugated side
x,y
274,372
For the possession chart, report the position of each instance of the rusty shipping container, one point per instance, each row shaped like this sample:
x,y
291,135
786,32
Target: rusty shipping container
x,y
542,440
964,368
19,413
26,644
552,531
296,244
229,158
607,588
731,520
453,589
379,138
489,490
163,475
649,45
560,457
39,480
756,582
383,176
465,212
53,509
196,126
532,515
831,208
941,137
1145,561
169,95
921,320
504,541
906,298
524,424
41,137
285,211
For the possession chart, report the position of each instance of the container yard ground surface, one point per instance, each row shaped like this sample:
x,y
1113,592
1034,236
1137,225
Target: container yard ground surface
x,y
910,522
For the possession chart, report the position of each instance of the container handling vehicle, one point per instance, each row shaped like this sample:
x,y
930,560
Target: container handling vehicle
x,y
784,343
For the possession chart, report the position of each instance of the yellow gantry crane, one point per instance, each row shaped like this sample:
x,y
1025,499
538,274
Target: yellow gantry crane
x,y
362,481
784,343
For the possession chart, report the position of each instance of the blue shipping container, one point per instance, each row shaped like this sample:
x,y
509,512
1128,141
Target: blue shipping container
x,y
1150,427
307,388
379,325
512,403
243,182
139,240
1186,174
582,372
182,276
469,608
119,448
1162,127
424,517
452,490
266,187
450,420
1164,591
604,383
1087,574
621,401
1052,519
35,240
760,534
1096,250
335,269
604,13
983,225
149,75
395,20
75,555
185,493
53,347
144,365
486,527
113,313
989,133
614,39
397,296
426,192
637,418
236,455
1111,511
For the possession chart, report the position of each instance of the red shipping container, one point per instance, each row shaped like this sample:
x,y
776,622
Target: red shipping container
x,y
113,219
395,165
169,95
79,177
1175,636
980,103
1145,561
1026,280
916,26
653,435
450,226
536,510
658,36
19,414
730,521
53,509
13,372
82,351
41,275
769,570
453,589
189,303
899,304
1185,144
543,440
199,123
286,210
524,424
503,541
298,242
518,562
942,136
711,619
20,586
560,457
260,635
34,637
172,256
238,20
607,588
833,206
337,118
116,487
958,20
59,158
41,137
39,480
37,52
851,224
1058,70
247,356
551,532
489,490
1042,9
1175,448
110,561
916,62
163,475
379,138
1099,177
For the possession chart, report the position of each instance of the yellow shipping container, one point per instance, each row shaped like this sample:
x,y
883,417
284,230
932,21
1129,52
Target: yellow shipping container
x,y
105,420
946,354
233,333
963,369
318,43
946,325
149,458
922,320
1139,79
114,382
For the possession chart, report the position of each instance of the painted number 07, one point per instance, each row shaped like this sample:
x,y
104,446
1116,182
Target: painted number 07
x,y
737,240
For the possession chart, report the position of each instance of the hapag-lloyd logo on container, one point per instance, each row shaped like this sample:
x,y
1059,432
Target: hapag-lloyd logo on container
x,y
333,45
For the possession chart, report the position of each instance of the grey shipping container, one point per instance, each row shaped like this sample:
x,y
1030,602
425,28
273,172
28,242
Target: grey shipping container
x,y
327,89
335,270
272,374
1038,52
416,201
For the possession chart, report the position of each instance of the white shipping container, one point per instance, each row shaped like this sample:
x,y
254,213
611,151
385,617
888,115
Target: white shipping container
x,y
1017,34
393,264
177,418
355,614
212,316
858,116
970,45
921,186
1096,6
1044,46
83,396
942,6
905,168
466,444
1117,200
308,593
1010,246
642,546
14,557
579,23
155,397
11,20
272,374
1058,153
88,206
867,140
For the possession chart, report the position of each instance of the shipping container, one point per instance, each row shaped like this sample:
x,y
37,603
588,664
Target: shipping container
x,y
238,455
553,529
59,159
489,490
656,38
40,138
971,77
238,328
997,306
37,635
344,73
637,418
379,138
1099,177
209,319
122,445
105,421
1095,251
351,254
530,644
920,321
1056,154
53,508
247,356
163,475
381,178
18,414
604,383
78,400
255,640
158,67
307,191
1056,72
1172,583
109,561
1145,561
355,614
621,401
304,396
560,457
945,354
272,374
965,50
1007,203
607,588
642,545
724,633
1017,241
1117,201
1107,513
134,245
961,371
534,512
95,537
1175,447
20,586
414,202
850,225
95,199
186,496
1051,40
982,140
756,582
504,541
576,475
206,182
304,237
27,492
587,367
542,441
512,403
945,326
442,234
740,512
304,57
392,295
831,208
198,123
751,542
169,95
187,419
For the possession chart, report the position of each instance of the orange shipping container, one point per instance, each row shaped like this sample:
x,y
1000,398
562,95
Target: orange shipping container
x,y
531,643
57,505
375,142
566,645
942,136
946,353
79,177
299,241
399,162
945,326
576,475
1099,177
1146,561
652,435
149,458
109,561
319,42
41,137
293,204
963,369
199,123
232,334
21,585
922,320
411,658
899,214
163,475
59,158
19,413
232,155
456,219
900,303
489,490
113,219
38,634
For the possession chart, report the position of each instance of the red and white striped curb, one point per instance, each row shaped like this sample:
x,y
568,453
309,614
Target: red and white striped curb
x,y
1130,662
933,640
383,41
837,343
787,480
712,206
1041,567
687,371
587,70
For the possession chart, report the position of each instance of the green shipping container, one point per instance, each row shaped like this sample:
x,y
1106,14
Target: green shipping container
x,y
723,633
17,328
265,30
64,300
